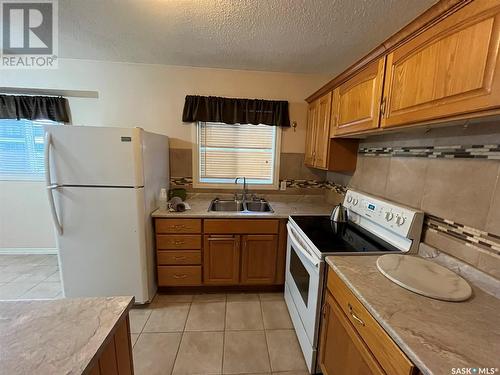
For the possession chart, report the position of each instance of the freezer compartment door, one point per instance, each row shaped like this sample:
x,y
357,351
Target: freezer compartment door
x,y
102,250
96,156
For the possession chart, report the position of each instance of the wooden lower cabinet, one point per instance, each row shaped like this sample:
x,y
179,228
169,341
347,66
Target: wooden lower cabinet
x,y
221,259
220,252
258,259
116,357
352,341
342,351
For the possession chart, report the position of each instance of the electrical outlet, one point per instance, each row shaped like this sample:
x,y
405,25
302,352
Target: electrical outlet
x,y
283,185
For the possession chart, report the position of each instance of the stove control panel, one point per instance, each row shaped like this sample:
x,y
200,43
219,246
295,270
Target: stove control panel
x,y
396,218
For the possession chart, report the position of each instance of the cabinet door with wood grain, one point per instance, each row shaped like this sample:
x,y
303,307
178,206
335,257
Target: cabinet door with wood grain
x,y
221,260
258,259
323,131
451,69
312,122
357,101
342,351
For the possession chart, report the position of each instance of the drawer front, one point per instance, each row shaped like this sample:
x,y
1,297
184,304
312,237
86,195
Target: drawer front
x,y
244,226
166,258
178,225
388,354
178,241
179,275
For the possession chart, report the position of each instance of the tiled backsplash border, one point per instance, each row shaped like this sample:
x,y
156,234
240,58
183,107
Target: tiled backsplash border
x,y
459,151
292,184
486,241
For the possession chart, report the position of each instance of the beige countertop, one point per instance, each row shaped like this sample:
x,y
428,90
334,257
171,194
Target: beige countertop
x,y
56,336
436,335
283,206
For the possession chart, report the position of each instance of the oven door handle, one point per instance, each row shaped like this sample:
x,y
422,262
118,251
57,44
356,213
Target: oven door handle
x,y
299,247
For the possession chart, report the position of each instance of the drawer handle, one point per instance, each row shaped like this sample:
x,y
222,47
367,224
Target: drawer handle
x,y
183,276
178,226
178,243
354,316
179,258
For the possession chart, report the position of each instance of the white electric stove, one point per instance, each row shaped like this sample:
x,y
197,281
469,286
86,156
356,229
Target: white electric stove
x,y
374,226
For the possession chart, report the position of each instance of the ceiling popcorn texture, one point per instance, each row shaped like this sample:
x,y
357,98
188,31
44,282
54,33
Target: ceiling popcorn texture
x,y
299,36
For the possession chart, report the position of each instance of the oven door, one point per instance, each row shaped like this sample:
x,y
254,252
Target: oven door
x,y
304,280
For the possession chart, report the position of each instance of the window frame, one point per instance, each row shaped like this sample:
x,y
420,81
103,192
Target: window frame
x,y
232,186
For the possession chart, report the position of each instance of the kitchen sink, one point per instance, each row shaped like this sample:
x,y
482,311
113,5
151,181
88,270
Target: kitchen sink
x,y
226,205
258,206
221,205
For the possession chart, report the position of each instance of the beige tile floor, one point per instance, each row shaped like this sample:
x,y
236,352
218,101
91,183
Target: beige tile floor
x,y
215,334
30,276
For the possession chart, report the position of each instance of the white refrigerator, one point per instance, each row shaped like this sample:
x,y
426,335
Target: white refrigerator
x,y
102,185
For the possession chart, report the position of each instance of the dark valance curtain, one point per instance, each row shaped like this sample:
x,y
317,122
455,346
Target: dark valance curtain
x,y
236,111
34,108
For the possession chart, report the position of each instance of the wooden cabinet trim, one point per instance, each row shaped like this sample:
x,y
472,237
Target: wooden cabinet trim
x,y
388,354
429,18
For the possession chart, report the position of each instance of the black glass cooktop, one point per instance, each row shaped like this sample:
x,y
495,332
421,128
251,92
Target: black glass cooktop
x,y
330,237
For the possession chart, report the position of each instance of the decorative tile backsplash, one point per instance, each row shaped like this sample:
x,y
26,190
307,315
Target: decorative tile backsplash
x,y
291,184
486,241
463,151
181,181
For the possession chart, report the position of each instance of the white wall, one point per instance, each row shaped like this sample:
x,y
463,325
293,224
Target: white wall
x,y
149,96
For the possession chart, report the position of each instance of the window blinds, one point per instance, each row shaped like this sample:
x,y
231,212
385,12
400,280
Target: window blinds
x,y
22,149
230,151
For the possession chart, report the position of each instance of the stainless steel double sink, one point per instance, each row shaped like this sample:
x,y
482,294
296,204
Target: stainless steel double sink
x,y
231,205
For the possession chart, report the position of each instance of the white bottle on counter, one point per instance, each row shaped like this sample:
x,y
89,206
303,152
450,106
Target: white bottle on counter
x,y
163,199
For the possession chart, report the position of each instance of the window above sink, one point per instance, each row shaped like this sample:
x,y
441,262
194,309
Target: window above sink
x,y
223,152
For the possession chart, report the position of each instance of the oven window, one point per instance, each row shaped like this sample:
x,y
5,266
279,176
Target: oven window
x,y
300,275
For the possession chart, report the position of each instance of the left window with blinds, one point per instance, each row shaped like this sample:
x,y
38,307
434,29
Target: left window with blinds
x,y
21,149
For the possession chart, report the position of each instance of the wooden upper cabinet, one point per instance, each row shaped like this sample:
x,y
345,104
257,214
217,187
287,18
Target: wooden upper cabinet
x,y
357,101
310,151
451,69
258,259
221,260
323,131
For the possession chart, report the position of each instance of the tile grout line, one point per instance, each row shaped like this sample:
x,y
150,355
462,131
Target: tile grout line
x,y
182,336
224,337
265,336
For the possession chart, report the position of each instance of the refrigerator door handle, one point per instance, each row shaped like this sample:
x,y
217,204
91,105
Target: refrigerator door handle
x,y
49,185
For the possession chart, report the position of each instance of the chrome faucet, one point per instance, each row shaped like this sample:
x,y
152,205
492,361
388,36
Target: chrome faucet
x,y
245,191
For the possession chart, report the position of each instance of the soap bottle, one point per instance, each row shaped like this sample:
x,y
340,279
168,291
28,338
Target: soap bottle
x,y
163,199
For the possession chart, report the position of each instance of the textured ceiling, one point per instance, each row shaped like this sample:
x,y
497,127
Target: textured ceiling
x,y
309,36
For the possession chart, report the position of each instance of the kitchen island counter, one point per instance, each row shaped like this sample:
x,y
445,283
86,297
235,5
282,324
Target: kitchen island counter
x,y
64,336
